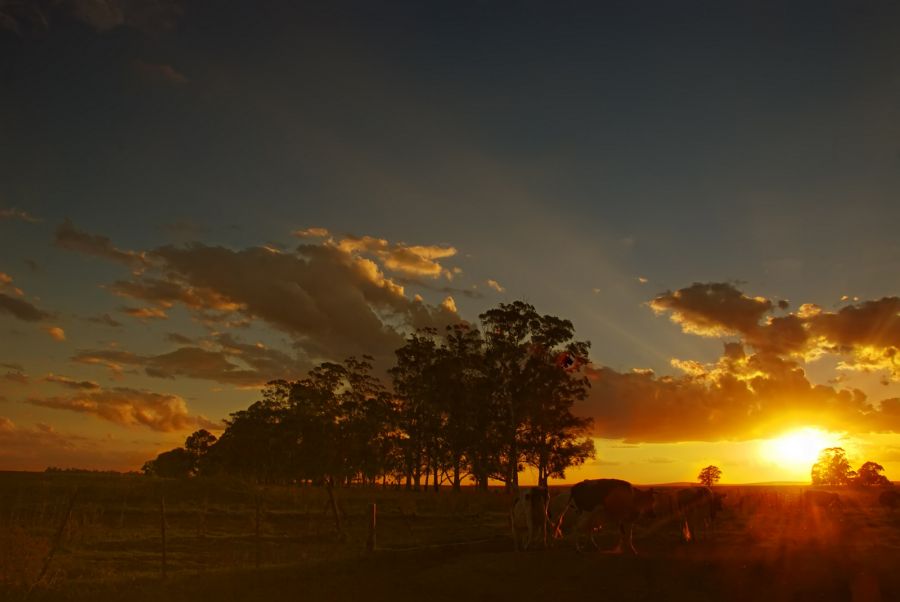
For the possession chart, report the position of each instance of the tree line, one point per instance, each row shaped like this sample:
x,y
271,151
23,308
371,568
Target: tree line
x,y
469,403
833,468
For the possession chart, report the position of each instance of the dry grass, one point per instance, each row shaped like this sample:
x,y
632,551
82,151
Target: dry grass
x,y
766,546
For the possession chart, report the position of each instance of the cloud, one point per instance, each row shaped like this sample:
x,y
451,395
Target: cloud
x,y
12,213
160,73
105,320
415,260
174,337
57,333
224,359
130,407
69,237
333,299
145,313
21,309
712,309
737,398
332,302
449,304
15,375
866,333
496,286
70,383
311,233
166,293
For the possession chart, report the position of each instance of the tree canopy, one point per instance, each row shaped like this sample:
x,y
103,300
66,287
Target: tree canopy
x,y
466,403
710,475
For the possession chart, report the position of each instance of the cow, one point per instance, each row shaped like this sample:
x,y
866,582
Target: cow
x,y
890,499
601,502
560,514
814,501
529,514
696,507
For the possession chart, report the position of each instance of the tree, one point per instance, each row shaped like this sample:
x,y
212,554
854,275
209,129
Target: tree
x,y
710,475
534,391
414,384
832,468
174,464
870,474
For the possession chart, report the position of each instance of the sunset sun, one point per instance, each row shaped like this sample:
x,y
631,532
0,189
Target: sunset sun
x,y
799,448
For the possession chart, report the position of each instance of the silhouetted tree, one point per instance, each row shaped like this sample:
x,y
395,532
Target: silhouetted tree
x,y
416,388
710,475
464,405
533,391
869,474
175,464
832,468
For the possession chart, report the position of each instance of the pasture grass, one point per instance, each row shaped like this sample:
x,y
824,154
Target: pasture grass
x,y
446,546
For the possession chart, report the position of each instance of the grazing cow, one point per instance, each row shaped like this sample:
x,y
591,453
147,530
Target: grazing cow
x,y
814,500
529,514
560,514
890,499
607,501
696,507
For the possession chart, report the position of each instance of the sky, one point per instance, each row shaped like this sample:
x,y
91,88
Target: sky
x,y
197,197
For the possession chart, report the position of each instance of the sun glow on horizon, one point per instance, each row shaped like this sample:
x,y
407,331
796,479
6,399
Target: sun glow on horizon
x,y
798,449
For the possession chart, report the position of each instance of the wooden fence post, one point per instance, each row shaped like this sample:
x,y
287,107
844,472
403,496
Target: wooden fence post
x,y
373,515
257,531
57,542
329,486
162,532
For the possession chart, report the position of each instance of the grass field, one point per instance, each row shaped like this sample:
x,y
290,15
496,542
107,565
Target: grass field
x,y
429,546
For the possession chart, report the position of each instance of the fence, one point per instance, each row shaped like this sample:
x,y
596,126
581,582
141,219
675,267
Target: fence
x,y
58,528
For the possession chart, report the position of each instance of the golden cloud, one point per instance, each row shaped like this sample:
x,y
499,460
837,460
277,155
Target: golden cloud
x,y
867,333
412,260
739,397
57,333
712,309
70,383
131,407
496,286
145,313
